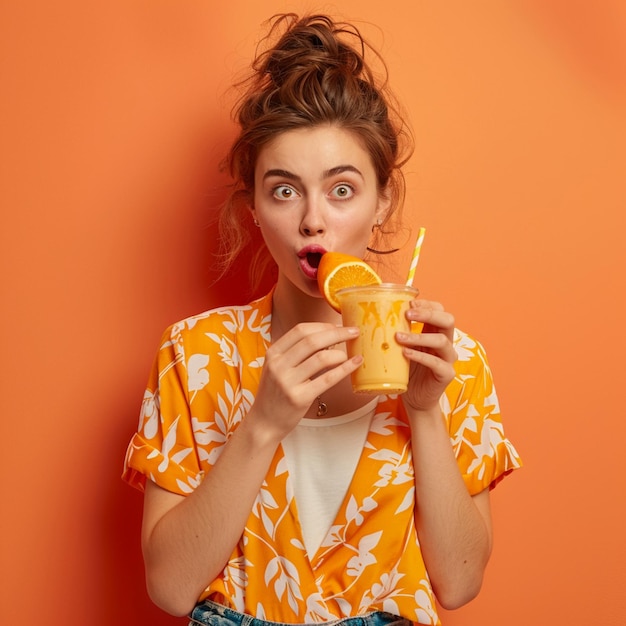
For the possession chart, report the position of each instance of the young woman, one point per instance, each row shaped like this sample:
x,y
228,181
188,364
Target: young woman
x,y
257,506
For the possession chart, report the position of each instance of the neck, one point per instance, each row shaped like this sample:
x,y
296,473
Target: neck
x,y
291,306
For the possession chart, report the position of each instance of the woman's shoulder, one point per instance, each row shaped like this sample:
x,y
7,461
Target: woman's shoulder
x,y
467,346
225,320
472,359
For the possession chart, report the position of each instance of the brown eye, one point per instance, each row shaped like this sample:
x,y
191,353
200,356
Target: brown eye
x,y
284,192
343,191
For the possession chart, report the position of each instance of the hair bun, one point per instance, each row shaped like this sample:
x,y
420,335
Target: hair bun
x,y
310,43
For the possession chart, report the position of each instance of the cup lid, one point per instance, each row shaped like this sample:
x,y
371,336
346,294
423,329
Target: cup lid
x,y
374,287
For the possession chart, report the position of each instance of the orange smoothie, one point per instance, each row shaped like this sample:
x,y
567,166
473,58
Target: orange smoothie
x,y
379,311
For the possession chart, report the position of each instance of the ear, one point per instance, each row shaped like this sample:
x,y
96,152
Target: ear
x,y
384,206
253,214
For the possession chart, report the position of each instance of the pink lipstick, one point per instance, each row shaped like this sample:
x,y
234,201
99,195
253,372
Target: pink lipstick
x,y
310,259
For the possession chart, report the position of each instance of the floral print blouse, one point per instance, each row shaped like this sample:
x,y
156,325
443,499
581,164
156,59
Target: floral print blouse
x,y
204,382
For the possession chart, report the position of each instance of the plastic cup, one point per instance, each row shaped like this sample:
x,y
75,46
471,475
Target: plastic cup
x,y
379,311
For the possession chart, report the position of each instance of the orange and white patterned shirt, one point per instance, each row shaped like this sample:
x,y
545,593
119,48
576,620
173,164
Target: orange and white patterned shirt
x,y
203,383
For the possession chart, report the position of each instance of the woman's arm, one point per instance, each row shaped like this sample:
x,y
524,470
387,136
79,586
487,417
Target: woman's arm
x,y
187,540
453,527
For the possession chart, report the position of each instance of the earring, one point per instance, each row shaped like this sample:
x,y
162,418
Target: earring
x,y
256,222
379,223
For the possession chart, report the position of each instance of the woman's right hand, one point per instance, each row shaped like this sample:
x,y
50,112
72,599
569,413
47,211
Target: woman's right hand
x,y
300,366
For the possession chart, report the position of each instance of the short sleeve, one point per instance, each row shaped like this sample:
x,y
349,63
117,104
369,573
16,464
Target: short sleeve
x,y
470,404
163,448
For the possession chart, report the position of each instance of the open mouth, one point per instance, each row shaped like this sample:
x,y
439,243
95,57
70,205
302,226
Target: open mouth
x,y
313,259
310,258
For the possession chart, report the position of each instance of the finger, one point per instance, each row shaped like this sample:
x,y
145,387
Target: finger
x,y
426,304
432,317
330,377
435,343
425,310
295,334
307,339
307,358
302,384
441,369
317,363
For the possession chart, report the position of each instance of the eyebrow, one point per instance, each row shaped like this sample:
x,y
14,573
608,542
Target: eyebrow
x,y
333,171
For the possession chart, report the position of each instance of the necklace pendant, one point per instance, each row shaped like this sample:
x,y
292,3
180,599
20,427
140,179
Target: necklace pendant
x,y
322,409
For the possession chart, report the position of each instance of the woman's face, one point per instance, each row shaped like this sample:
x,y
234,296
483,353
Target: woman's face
x,y
315,190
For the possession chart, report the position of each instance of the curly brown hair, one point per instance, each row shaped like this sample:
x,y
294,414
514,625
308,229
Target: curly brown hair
x,y
316,73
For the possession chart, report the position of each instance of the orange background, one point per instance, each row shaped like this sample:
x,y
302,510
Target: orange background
x,y
114,116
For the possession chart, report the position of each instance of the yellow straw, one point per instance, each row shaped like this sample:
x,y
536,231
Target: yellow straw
x,y
416,256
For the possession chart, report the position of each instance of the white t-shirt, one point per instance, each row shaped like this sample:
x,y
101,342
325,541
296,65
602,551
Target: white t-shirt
x,y
321,456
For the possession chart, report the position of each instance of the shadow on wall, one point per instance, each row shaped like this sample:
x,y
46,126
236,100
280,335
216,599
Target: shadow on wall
x,y
122,596
117,516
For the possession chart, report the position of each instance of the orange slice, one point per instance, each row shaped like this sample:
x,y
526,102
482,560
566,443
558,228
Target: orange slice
x,y
337,270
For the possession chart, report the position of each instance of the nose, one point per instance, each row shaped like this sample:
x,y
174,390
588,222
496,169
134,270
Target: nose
x,y
313,220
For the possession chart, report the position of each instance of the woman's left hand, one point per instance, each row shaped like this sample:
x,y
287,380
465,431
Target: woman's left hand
x,y
431,353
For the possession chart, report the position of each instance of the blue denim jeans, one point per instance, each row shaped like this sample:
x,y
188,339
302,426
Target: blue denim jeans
x,y
210,613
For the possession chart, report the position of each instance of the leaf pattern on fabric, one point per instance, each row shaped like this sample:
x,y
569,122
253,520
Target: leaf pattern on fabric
x,y
228,351
384,592
235,577
316,609
198,372
384,423
286,580
426,614
354,512
189,485
364,558
395,470
408,501
168,444
203,385
149,416
464,345
263,504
